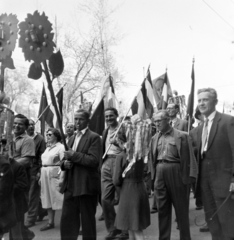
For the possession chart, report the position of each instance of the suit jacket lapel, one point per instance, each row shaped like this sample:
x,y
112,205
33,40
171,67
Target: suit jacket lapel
x,y
199,136
213,129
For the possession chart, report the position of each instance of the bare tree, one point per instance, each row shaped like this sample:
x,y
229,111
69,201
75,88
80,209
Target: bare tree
x,y
20,90
88,59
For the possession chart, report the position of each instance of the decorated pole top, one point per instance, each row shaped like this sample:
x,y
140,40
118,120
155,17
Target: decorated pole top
x,y
36,38
8,34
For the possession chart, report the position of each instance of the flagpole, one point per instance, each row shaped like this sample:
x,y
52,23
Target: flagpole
x,y
190,99
42,113
120,125
48,106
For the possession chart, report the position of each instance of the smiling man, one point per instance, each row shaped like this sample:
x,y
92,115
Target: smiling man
x,y
216,159
81,185
107,170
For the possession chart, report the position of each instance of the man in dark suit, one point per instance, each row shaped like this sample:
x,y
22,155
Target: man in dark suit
x,y
173,158
81,184
179,124
216,164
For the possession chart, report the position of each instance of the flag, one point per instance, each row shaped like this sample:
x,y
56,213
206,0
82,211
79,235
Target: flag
x,y
191,95
97,120
162,91
107,92
45,114
147,93
144,101
59,102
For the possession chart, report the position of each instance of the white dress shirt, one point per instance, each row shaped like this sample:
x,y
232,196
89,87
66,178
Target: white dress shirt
x,y
78,137
210,122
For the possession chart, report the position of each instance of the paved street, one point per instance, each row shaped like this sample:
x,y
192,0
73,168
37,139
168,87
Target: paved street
x,y
151,233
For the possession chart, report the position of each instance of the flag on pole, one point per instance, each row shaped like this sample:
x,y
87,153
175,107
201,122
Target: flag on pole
x,y
107,92
97,120
45,114
162,91
59,102
143,105
190,106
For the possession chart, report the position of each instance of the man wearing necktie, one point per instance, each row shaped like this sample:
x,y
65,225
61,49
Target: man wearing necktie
x,y
81,185
216,166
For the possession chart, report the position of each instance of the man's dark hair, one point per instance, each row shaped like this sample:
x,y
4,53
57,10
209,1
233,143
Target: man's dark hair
x,y
112,109
85,112
21,116
56,133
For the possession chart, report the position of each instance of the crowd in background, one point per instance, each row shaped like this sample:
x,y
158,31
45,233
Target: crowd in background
x,y
45,176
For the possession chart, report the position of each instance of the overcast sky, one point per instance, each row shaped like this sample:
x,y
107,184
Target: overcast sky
x,y
162,33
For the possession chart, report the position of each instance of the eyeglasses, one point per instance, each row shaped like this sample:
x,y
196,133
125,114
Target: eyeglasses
x,y
49,134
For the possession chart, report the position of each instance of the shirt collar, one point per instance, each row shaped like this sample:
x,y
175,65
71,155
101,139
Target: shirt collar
x,y
83,131
168,132
211,116
20,136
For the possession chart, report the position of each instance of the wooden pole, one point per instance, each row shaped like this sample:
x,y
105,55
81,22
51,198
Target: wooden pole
x,y
53,99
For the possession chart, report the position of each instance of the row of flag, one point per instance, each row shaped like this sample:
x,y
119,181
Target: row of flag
x,y
153,95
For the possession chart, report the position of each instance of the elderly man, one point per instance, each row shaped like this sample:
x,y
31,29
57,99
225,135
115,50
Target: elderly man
x,y
172,156
216,159
81,185
70,129
180,124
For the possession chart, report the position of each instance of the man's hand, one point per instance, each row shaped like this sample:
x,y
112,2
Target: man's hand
x,y
68,154
231,189
68,164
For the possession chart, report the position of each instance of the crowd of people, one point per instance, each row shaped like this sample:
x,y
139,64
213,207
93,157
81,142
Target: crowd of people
x,y
44,176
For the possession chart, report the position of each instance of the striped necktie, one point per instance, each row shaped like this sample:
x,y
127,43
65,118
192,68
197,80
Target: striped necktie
x,y
204,135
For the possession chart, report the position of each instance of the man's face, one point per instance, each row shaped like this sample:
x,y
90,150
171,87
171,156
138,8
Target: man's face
x,y
161,122
111,118
31,128
70,129
80,121
19,126
206,103
172,111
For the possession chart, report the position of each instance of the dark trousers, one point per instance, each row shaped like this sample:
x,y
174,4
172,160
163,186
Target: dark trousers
x,y
34,198
154,203
75,210
170,190
221,226
108,192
